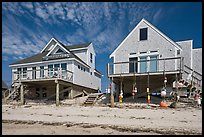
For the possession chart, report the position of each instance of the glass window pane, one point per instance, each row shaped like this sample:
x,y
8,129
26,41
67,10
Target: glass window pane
x,y
41,71
64,66
143,34
50,70
153,64
143,64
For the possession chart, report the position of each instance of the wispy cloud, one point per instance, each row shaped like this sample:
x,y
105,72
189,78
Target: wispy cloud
x,y
157,16
105,24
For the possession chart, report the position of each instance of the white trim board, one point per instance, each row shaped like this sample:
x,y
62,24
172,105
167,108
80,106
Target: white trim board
x,y
49,43
57,44
43,62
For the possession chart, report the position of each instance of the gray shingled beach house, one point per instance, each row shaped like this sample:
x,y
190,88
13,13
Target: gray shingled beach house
x,y
146,57
57,71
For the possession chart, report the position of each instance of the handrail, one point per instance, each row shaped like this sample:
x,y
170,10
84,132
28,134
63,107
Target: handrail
x,y
46,73
122,67
193,70
145,60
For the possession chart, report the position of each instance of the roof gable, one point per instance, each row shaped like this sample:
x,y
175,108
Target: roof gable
x,y
58,47
153,28
51,49
50,45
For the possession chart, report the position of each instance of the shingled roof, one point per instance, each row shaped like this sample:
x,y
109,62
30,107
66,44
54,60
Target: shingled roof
x,y
34,58
39,57
78,46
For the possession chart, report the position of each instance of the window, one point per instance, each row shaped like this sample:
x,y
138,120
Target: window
x,y
143,34
24,72
41,71
64,69
143,52
143,64
84,69
64,66
78,66
153,63
50,70
178,52
18,73
56,69
91,73
59,51
33,72
153,51
91,57
133,65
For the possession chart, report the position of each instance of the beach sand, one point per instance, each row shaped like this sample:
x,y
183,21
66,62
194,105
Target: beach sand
x,y
91,120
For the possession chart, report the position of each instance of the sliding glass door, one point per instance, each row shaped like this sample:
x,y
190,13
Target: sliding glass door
x,y
153,64
143,64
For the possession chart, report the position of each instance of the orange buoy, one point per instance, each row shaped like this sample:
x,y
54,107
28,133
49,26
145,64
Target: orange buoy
x,y
163,105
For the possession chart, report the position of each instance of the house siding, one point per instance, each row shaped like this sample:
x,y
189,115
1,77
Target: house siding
x,y
197,60
85,78
82,54
154,42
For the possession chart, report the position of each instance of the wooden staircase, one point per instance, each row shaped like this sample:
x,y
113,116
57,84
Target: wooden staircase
x,y
92,98
13,93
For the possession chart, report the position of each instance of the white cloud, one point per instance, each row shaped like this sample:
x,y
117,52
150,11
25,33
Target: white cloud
x,y
102,23
157,16
5,58
41,12
28,5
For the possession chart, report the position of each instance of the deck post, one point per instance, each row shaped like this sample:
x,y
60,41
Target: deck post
x,y
57,94
112,97
71,93
22,95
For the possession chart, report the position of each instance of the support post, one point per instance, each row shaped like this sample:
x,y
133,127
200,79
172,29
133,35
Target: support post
x,y
148,95
22,95
71,93
121,92
57,94
112,97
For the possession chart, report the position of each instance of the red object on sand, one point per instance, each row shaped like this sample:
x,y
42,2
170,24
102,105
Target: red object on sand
x,y
164,105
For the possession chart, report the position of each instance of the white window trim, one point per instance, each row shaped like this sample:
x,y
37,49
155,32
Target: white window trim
x,y
148,54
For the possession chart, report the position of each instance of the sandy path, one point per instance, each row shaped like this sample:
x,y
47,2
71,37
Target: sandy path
x,y
162,121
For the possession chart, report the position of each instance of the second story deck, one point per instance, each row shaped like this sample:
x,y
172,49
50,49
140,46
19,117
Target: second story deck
x,y
42,75
145,67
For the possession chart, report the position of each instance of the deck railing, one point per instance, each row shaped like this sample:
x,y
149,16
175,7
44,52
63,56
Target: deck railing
x,y
193,75
40,74
145,66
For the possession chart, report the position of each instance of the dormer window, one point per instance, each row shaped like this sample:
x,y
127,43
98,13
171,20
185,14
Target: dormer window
x,y
143,34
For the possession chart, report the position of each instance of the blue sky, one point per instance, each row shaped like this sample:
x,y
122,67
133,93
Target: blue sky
x,y
27,27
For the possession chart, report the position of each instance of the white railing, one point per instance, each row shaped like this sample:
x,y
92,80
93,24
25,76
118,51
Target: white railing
x,y
144,66
40,74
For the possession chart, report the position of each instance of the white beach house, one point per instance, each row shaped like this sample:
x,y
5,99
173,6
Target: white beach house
x,y
64,71
146,57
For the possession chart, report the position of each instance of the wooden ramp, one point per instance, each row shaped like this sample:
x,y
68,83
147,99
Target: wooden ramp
x,y
92,98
